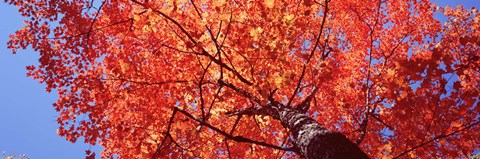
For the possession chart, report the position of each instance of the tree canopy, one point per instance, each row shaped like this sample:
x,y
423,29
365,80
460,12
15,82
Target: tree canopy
x,y
259,79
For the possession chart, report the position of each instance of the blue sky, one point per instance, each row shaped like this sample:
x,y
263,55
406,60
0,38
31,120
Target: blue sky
x,y
27,119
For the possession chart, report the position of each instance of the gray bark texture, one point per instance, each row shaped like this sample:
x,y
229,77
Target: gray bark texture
x,y
315,141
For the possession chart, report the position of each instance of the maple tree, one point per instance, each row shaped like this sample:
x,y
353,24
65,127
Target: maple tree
x,y
268,78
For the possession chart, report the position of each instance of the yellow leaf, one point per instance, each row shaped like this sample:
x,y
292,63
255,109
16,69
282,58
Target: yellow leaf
x,y
388,147
218,2
456,123
216,112
123,66
269,3
259,118
255,32
205,36
187,98
390,74
278,81
412,155
224,17
288,18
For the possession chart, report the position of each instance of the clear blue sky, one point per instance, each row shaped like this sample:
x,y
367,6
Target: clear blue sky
x,y
27,119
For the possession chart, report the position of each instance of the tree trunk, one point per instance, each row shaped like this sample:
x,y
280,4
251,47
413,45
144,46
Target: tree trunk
x,y
315,141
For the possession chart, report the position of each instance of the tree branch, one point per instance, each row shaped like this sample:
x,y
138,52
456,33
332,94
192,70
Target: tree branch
x,y
317,41
305,105
436,138
251,111
204,52
231,137
240,91
298,86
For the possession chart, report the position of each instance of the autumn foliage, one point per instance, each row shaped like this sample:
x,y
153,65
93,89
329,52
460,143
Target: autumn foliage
x,y
179,78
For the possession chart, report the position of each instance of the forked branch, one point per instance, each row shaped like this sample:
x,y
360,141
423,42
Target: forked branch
x,y
231,137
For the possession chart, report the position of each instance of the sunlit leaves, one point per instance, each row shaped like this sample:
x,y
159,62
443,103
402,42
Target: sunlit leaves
x,y
269,3
121,69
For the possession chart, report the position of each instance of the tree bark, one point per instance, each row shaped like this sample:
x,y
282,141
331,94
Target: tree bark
x,y
315,141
